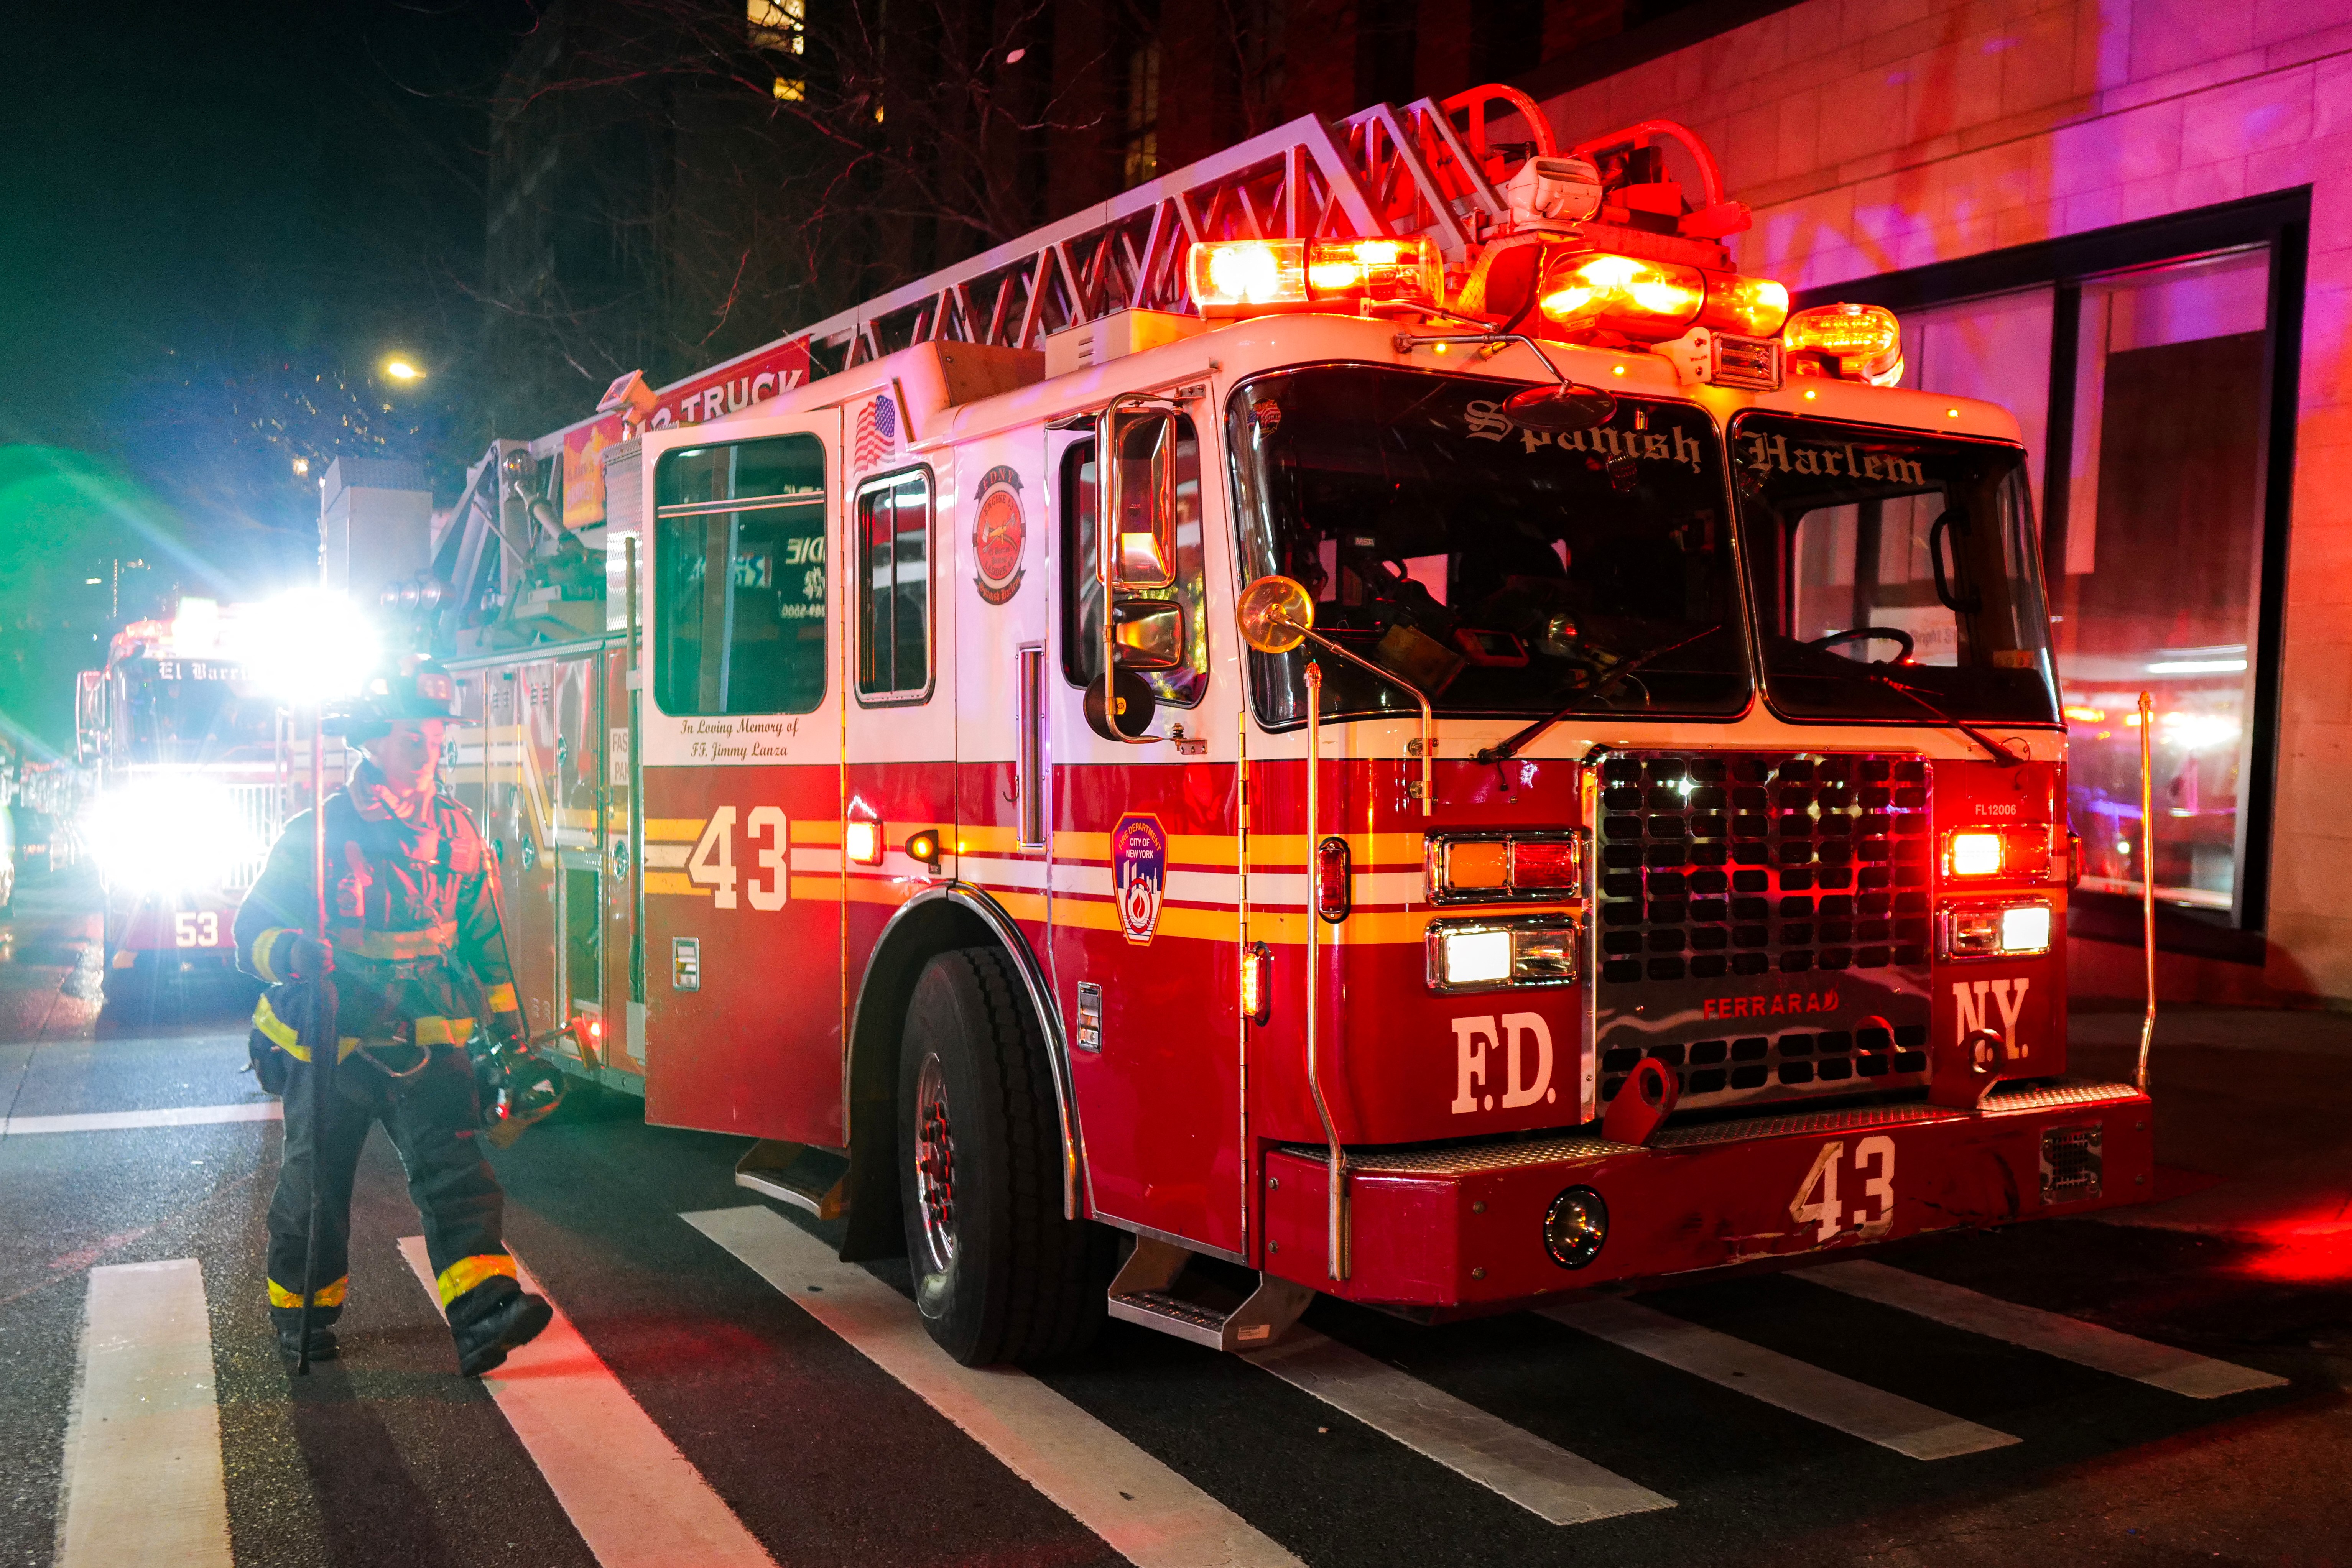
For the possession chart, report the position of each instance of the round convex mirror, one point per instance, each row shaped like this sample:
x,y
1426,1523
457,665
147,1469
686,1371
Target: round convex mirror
x,y
1561,410
1275,614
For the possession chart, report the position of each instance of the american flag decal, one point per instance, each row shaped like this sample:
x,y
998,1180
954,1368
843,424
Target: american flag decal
x,y
877,433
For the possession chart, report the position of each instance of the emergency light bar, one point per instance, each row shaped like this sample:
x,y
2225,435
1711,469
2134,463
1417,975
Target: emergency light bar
x,y
1254,276
1654,301
1855,342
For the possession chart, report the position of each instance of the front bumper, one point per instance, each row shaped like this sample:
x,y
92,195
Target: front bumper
x,y
194,926
1462,1226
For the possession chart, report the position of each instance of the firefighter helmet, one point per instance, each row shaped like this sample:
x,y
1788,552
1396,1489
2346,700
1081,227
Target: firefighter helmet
x,y
409,688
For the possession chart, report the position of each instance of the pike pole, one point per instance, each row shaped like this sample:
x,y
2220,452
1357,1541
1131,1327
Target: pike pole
x,y
319,1025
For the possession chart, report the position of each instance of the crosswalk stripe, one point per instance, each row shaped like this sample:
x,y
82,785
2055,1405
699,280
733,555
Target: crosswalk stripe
x,y
1546,1480
142,1460
1146,1511
2051,1334
121,1120
635,1498
1800,1387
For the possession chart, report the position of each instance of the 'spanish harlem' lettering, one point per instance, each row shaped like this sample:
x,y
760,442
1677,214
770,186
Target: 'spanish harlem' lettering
x,y
1766,453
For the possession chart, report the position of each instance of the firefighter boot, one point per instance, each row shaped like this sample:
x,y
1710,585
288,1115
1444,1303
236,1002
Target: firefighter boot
x,y
493,1318
288,1321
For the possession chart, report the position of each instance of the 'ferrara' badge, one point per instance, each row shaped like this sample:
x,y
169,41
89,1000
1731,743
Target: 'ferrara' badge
x,y
1139,869
998,533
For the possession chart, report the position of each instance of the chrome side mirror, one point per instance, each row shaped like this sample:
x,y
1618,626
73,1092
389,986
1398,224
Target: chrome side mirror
x,y
1147,634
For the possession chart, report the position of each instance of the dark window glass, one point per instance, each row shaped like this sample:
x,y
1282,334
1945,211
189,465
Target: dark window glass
x,y
1896,573
894,588
1504,570
1082,594
739,594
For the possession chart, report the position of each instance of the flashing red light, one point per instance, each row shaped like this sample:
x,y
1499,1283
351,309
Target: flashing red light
x,y
1536,864
1253,277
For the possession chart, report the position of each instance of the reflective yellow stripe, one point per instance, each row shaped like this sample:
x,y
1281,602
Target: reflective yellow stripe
x,y
326,1295
284,1036
395,946
502,1000
432,1030
261,947
468,1272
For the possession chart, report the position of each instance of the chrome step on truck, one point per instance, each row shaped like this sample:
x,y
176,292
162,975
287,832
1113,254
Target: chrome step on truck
x,y
1151,1290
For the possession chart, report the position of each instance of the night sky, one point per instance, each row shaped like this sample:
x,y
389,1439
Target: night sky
x,y
217,221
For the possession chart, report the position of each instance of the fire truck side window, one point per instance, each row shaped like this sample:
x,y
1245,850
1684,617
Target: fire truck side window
x,y
739,572
894,588
1082,595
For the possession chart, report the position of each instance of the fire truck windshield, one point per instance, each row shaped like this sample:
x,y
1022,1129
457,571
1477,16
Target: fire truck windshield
x,y
1895,574
1502,570
181,718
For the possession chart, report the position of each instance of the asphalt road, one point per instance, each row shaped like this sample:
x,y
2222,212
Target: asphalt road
x,y
800,1421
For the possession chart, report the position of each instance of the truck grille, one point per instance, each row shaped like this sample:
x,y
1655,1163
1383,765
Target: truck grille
x,y
260,815
1763,922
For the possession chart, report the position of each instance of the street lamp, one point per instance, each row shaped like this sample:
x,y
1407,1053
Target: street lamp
x,y
402,370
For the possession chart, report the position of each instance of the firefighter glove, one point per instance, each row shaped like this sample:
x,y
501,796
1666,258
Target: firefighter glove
x,y
309,958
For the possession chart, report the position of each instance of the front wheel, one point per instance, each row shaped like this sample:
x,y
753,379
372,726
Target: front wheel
x,y
999,1274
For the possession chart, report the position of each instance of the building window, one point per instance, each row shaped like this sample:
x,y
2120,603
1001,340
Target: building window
x,y
778,25
894,588
1143,142
738,578
2152,390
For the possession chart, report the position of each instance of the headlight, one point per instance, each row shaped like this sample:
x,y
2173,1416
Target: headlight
x,y
1473,955
160,836
2016,930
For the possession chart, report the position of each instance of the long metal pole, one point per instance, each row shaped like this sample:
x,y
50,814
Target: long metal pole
x,y
1335,1178
322,1029
2148,873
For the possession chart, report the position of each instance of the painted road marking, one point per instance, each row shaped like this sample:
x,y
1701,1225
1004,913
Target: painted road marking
x,y
1145,1510
142,1456
1800,1387
119,1121
1546,1480
2051,1334
635,1498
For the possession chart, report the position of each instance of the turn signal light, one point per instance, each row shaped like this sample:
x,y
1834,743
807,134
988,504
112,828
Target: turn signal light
x,y
1250,276
1973,855
1504,867
1651,300
1857,343
1258,983
862,842
924,847
1332,895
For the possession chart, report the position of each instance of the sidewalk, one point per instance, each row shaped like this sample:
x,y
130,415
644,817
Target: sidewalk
x,y
2253,1125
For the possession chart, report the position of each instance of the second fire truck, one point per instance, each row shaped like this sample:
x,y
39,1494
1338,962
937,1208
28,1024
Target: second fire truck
x,y
1372,711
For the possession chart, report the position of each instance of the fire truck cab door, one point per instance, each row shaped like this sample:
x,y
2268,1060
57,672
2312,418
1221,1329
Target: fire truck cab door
x,y
898,611
1144,854
740,750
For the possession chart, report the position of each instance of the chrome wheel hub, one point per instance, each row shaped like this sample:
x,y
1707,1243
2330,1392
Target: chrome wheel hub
x,y
935,1166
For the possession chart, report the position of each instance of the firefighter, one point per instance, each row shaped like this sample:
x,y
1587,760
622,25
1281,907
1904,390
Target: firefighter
x,y
419,970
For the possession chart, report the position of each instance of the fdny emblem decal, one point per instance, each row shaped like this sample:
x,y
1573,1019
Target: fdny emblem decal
x,y
1138,868
998,534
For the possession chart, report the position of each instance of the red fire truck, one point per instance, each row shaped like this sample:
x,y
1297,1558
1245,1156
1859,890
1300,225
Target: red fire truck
x,y
192,787
1371,711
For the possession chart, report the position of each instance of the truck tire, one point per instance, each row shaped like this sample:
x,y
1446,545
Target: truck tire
x,y
999,1275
